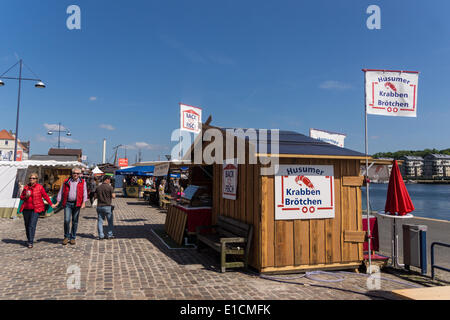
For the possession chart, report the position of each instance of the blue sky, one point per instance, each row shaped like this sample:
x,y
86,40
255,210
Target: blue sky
x,y
291,65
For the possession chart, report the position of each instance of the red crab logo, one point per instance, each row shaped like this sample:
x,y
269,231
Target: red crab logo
x,y
390,86
305,180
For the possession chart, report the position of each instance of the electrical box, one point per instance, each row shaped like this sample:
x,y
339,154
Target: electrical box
x,y
415,246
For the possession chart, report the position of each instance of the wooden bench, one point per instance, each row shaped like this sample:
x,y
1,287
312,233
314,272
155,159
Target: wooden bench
x,y
164,202
232,237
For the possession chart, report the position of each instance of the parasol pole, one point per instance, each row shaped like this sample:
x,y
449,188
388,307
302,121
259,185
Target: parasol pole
x,y
367,175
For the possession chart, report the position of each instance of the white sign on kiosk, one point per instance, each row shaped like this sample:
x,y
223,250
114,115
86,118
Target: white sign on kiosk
x,y
190,118
304,192
330,137
391,93
161,170
230,179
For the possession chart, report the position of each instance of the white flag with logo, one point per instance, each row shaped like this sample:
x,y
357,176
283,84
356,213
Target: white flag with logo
x,y
391,93
190,118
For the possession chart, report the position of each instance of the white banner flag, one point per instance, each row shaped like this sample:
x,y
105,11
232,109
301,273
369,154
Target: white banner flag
x,y
190,118
334,138
391,93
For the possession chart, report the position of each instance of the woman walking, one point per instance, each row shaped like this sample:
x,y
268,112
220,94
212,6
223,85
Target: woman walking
x,y
32,205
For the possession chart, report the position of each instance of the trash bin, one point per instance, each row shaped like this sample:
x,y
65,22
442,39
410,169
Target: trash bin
x,y
415,246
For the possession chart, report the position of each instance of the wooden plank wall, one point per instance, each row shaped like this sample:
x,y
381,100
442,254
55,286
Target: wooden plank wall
x,y
246,207
316,241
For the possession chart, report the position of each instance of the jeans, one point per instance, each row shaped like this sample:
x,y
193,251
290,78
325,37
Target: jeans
x,y
105,213
71,211
30,218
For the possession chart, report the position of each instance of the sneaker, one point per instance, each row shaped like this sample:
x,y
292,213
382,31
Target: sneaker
x,y
110,237
98,238
65,241
30,245
72,241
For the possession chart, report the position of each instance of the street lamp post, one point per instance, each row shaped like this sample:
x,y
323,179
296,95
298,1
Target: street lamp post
x,y
39,84
59,134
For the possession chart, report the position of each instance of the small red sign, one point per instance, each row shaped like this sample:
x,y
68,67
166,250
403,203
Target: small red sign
x,y
19,155
123,162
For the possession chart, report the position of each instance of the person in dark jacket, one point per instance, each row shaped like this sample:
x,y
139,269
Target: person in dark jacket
x,y
32,205
92,186
104,195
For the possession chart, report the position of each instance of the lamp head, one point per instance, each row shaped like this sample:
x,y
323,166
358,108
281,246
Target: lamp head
x,y
40,84
50,132
1,83
68,133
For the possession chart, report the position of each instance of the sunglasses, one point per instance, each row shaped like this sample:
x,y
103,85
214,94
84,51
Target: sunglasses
x,y
32,178
76,172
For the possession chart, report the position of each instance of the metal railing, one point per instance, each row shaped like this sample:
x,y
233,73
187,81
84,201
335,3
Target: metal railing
x,y
434,266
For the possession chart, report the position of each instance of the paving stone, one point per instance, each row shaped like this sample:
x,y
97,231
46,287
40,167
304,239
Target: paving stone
x,y
136,265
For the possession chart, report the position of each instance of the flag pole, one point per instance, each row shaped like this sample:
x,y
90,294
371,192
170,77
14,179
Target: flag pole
x,y
367,175
179,138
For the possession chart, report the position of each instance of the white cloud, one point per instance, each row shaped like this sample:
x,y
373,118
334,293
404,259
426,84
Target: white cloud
x,y
144,146
195,56
107,127
68,140
54,139
221,59
54,127
41,138
331,84
92,98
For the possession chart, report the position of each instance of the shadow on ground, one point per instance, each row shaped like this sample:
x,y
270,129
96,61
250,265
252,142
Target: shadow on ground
x,y
90,218
133,220
50,240
137,203
14,241
86,236
207,259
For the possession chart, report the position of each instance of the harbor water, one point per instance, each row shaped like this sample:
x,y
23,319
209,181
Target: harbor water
x,y
430,200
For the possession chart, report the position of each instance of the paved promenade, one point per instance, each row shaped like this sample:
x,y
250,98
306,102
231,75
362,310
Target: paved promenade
x,y
438,231
137,265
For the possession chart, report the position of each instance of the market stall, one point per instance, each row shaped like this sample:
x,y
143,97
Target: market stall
x,y
306,213
97,172
13,176
134,179
168,182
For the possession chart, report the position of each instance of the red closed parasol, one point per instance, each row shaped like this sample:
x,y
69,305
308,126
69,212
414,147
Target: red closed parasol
x,y
398,200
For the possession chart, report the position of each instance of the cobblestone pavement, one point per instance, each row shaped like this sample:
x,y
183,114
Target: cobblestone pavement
x,y
137,265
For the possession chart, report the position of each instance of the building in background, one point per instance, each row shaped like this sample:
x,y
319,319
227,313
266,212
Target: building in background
x,y
66,152
56,158
7,142
412,167
437,166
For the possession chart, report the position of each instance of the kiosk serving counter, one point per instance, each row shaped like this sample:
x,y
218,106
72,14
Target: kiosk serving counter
x,y
194,210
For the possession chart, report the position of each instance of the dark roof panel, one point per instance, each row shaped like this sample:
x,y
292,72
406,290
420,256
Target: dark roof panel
x,y
62,152
291,142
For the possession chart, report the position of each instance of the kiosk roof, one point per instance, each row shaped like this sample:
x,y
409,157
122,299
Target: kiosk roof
x,y
294,143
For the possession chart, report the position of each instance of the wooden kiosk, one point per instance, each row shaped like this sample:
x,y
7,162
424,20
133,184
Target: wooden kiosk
x,y
291,245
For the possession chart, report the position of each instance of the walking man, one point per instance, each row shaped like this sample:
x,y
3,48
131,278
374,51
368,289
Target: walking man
x,y
104,195
73,195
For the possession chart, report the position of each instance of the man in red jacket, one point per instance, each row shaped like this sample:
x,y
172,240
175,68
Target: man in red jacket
x,y
32,205
73,195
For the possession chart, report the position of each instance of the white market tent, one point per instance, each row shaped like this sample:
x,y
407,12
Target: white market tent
x,y
8,179
97,170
